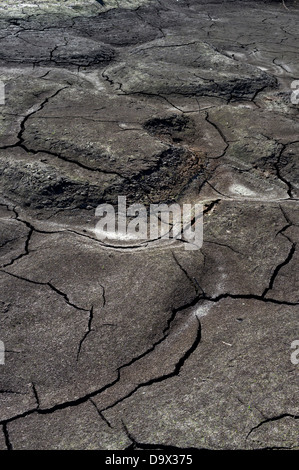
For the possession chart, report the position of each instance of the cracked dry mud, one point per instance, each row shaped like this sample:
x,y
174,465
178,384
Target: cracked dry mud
x,y
152,347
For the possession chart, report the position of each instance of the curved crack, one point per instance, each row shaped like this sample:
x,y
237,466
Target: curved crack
x,y
89,330
177,368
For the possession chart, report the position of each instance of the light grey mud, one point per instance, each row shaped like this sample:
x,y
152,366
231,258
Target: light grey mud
x,y
149,346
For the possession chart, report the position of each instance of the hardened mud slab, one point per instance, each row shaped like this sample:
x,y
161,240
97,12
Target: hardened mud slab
x,y
158,343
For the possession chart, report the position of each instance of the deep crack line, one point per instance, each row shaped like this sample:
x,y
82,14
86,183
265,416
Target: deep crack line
x,y
63,158
49,284
59,406
89,330
279,175
177,368
285,227
268,420
101,414
6,437
175,372
191,280
141,445
249,297
165,333
207,118
103,294
21,255
211,206
278,268
35,395
20,142
65,296
23,122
